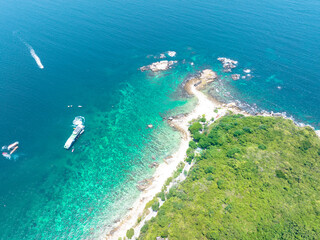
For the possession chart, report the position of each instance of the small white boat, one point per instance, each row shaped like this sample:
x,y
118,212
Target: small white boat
x,y
13,145
15,149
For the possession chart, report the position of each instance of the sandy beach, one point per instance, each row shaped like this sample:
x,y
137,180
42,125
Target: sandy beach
x,y
205,106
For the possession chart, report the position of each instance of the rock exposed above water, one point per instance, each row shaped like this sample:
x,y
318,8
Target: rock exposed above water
x,y
158,66
172,53
208,75
228,64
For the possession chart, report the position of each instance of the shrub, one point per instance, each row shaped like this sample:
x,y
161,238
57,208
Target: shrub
x,y
209,169
210,177
155,206
238,133
130,233
263,127
204,142
178,205
192,144
305,145
212,235
165,233
190,152
262,147
162,196
197,136
220,184
247,129
228,208
280,174
168,181
145,227
189,159
195,127
203,119
231,153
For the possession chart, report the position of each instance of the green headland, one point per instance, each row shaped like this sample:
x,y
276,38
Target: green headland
x,y
253,178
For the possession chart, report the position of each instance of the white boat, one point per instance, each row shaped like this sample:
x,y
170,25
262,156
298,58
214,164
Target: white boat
x,y
13,145
75,134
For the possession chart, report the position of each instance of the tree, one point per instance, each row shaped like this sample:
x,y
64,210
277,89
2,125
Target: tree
x,y
130,233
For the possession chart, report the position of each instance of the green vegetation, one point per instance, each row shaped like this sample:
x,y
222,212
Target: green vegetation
x,y
130,233
255,178
195,127
203,119
155,206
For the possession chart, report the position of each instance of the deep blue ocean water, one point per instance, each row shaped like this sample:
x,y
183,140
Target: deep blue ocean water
x,y
91,51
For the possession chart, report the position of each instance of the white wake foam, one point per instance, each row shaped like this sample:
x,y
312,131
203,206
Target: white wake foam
x,y
31,50
35,56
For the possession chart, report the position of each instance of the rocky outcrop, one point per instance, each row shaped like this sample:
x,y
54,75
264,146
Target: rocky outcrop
x,y
208,75
171,53
144,184
228,64
158,66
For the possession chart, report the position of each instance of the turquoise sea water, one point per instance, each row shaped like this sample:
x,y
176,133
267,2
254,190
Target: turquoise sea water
x,y
91,52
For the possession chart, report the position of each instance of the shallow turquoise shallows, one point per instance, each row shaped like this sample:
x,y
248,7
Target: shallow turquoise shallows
x,y
59,53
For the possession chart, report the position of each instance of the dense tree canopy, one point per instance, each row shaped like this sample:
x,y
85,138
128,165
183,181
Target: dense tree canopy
x,y
254,178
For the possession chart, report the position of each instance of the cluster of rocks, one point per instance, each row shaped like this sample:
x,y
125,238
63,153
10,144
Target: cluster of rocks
x,y
153,165
235,77
164,55
228,64
144,184
158,66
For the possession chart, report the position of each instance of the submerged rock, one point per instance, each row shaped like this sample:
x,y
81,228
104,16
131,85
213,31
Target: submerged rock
x,y
144,184
153,165
235,77
231,105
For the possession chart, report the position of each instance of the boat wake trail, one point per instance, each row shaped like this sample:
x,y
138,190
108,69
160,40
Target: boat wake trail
x,y
34,55
31,50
